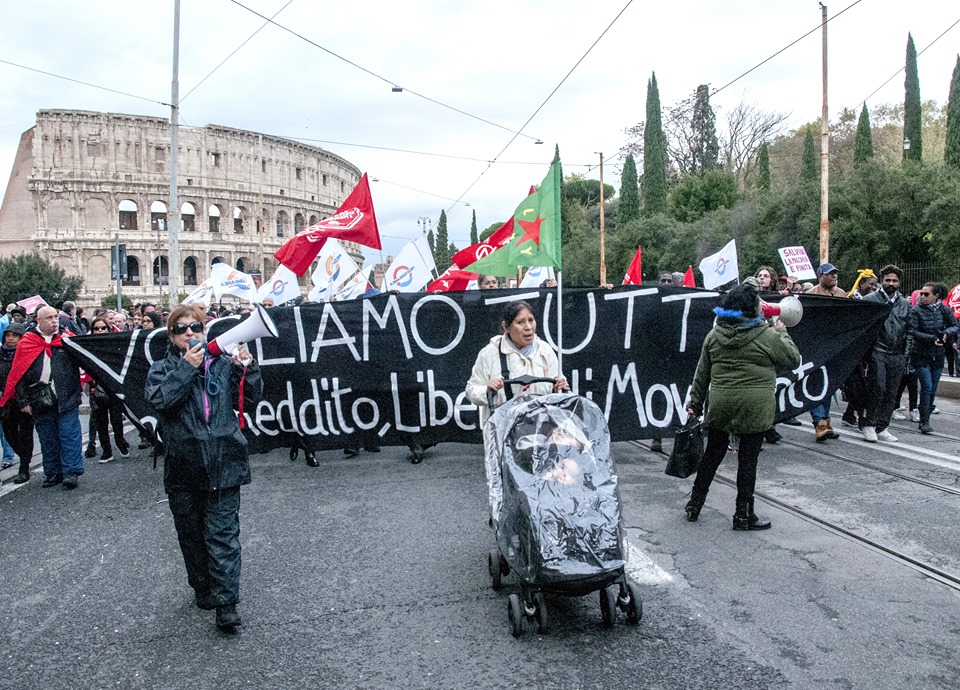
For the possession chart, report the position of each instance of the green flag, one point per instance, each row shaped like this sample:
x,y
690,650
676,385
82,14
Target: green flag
x,y
536,234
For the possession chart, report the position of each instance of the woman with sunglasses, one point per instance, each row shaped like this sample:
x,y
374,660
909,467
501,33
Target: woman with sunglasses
x,y
929,325
104,411
205,455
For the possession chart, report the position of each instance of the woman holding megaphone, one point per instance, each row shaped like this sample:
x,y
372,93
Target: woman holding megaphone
x,y
205,455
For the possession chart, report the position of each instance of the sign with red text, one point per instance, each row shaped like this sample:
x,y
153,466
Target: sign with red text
x,y
796,263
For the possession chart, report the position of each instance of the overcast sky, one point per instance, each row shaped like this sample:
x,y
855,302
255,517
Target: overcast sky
x,y
495,60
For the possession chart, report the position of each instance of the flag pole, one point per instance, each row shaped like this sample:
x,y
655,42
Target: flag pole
x,y
559,324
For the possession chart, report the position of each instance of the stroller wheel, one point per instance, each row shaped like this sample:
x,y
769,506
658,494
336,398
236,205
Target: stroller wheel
x,y
634,607
515,615
608,606
541,613
493,565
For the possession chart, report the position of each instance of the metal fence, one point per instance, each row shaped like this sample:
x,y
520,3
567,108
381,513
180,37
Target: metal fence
x,y
916,273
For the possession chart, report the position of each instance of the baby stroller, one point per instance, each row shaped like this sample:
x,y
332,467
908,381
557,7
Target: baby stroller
x,y
555,506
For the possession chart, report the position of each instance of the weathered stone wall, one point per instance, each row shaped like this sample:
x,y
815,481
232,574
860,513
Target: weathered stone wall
x,y
82,177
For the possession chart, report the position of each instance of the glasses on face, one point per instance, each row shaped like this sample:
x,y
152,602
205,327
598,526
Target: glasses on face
x,y
925,294
180,328
100,328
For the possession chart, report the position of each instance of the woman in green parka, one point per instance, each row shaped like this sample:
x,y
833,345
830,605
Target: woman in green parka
x,y
738,367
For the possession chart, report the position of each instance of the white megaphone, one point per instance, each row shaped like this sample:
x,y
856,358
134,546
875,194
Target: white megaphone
x,y
257,325
789,310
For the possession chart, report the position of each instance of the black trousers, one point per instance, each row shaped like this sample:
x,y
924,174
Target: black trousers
x,y
884,377
717,441
208,529
18,430
106,416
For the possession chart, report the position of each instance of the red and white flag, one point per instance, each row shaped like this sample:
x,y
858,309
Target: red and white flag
x,y
354,221
454,279
634,275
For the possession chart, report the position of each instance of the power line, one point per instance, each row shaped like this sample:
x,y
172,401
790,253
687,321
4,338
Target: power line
x,y
84,83
393,84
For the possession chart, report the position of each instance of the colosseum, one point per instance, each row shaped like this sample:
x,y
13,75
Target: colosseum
x,y
80,178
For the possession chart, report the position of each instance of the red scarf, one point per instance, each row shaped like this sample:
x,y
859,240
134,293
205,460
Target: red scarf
x,y
31,346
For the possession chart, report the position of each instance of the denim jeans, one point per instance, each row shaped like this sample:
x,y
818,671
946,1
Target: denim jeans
x,y
7,449
821,411
61,442
929,377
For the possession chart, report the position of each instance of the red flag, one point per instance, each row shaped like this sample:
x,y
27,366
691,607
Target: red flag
x,y
454,279
634,275
475,252
688,280
354,221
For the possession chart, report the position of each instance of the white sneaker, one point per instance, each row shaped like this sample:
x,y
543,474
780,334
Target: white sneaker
x,y
869,434
899,415
887,437
934,410
914,415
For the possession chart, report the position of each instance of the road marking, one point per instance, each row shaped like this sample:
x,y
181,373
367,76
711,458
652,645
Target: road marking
x,y
903,450
641,569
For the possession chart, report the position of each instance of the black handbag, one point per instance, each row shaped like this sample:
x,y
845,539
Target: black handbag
x,y
687,450
40,396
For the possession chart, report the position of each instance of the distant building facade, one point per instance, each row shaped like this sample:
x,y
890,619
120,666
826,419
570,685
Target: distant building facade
x,y
80,178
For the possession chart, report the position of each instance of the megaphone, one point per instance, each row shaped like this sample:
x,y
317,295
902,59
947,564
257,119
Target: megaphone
x,y
257,325
789,310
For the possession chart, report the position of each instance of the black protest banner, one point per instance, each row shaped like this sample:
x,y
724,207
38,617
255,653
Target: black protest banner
x,y
394,366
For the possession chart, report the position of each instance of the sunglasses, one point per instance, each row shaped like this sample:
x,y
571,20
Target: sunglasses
x,y
181,328
925,294
100,328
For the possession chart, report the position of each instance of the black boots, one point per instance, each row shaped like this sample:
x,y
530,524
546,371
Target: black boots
x,y
228,619
694,506
745,519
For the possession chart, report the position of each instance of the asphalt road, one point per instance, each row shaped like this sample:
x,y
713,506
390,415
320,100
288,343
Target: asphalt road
x,y
371,573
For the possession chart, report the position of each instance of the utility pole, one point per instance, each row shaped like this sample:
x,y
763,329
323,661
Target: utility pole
x,y
261,221
824,155
603,258
173,217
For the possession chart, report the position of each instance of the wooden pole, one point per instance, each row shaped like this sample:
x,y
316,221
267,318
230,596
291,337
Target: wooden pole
x,y
603,259
824,155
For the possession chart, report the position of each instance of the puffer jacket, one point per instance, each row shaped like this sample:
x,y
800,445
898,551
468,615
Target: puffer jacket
x,y
738,367
926,324
202,453
893,338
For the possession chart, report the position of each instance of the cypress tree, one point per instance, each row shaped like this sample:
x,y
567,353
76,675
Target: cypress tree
x,y
433,244
808,164
912,121
706,149
654,154
474,238
763,168
442,246
629,192
951,153
863,141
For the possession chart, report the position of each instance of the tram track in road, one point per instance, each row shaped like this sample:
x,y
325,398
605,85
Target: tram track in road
x,y
932,572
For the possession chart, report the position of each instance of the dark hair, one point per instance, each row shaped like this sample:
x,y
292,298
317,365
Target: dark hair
x,y
939,289
774,278
513,310
742,298
100,319
890,268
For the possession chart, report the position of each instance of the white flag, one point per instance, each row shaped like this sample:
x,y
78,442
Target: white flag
x,y
334,266
721,268
355,287
282,287
536,275
203,294
228,281
412,269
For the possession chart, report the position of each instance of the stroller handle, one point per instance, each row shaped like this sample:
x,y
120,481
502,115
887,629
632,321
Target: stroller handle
x,y
525,380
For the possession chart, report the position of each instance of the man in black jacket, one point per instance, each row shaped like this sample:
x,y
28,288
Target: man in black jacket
x,y
205,456
888,361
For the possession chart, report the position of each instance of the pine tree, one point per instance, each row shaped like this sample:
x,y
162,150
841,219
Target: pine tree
x,y
440,256
629,192
474,238
912,121
654,154
951,153
433,244
809,172
863,141
706,149
763,168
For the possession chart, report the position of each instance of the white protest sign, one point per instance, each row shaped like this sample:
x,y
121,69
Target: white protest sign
x,y
796,263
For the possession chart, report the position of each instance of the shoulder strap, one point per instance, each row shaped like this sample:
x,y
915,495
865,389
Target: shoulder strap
x,y
504,370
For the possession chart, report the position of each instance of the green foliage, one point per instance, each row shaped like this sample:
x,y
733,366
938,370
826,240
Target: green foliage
x,y
654,154
912,120
585,192
706,149
951,151
490,229
763,168
110,301
442,245
432,242
629,192
809,170
26,275
474,237
863,141
698,195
